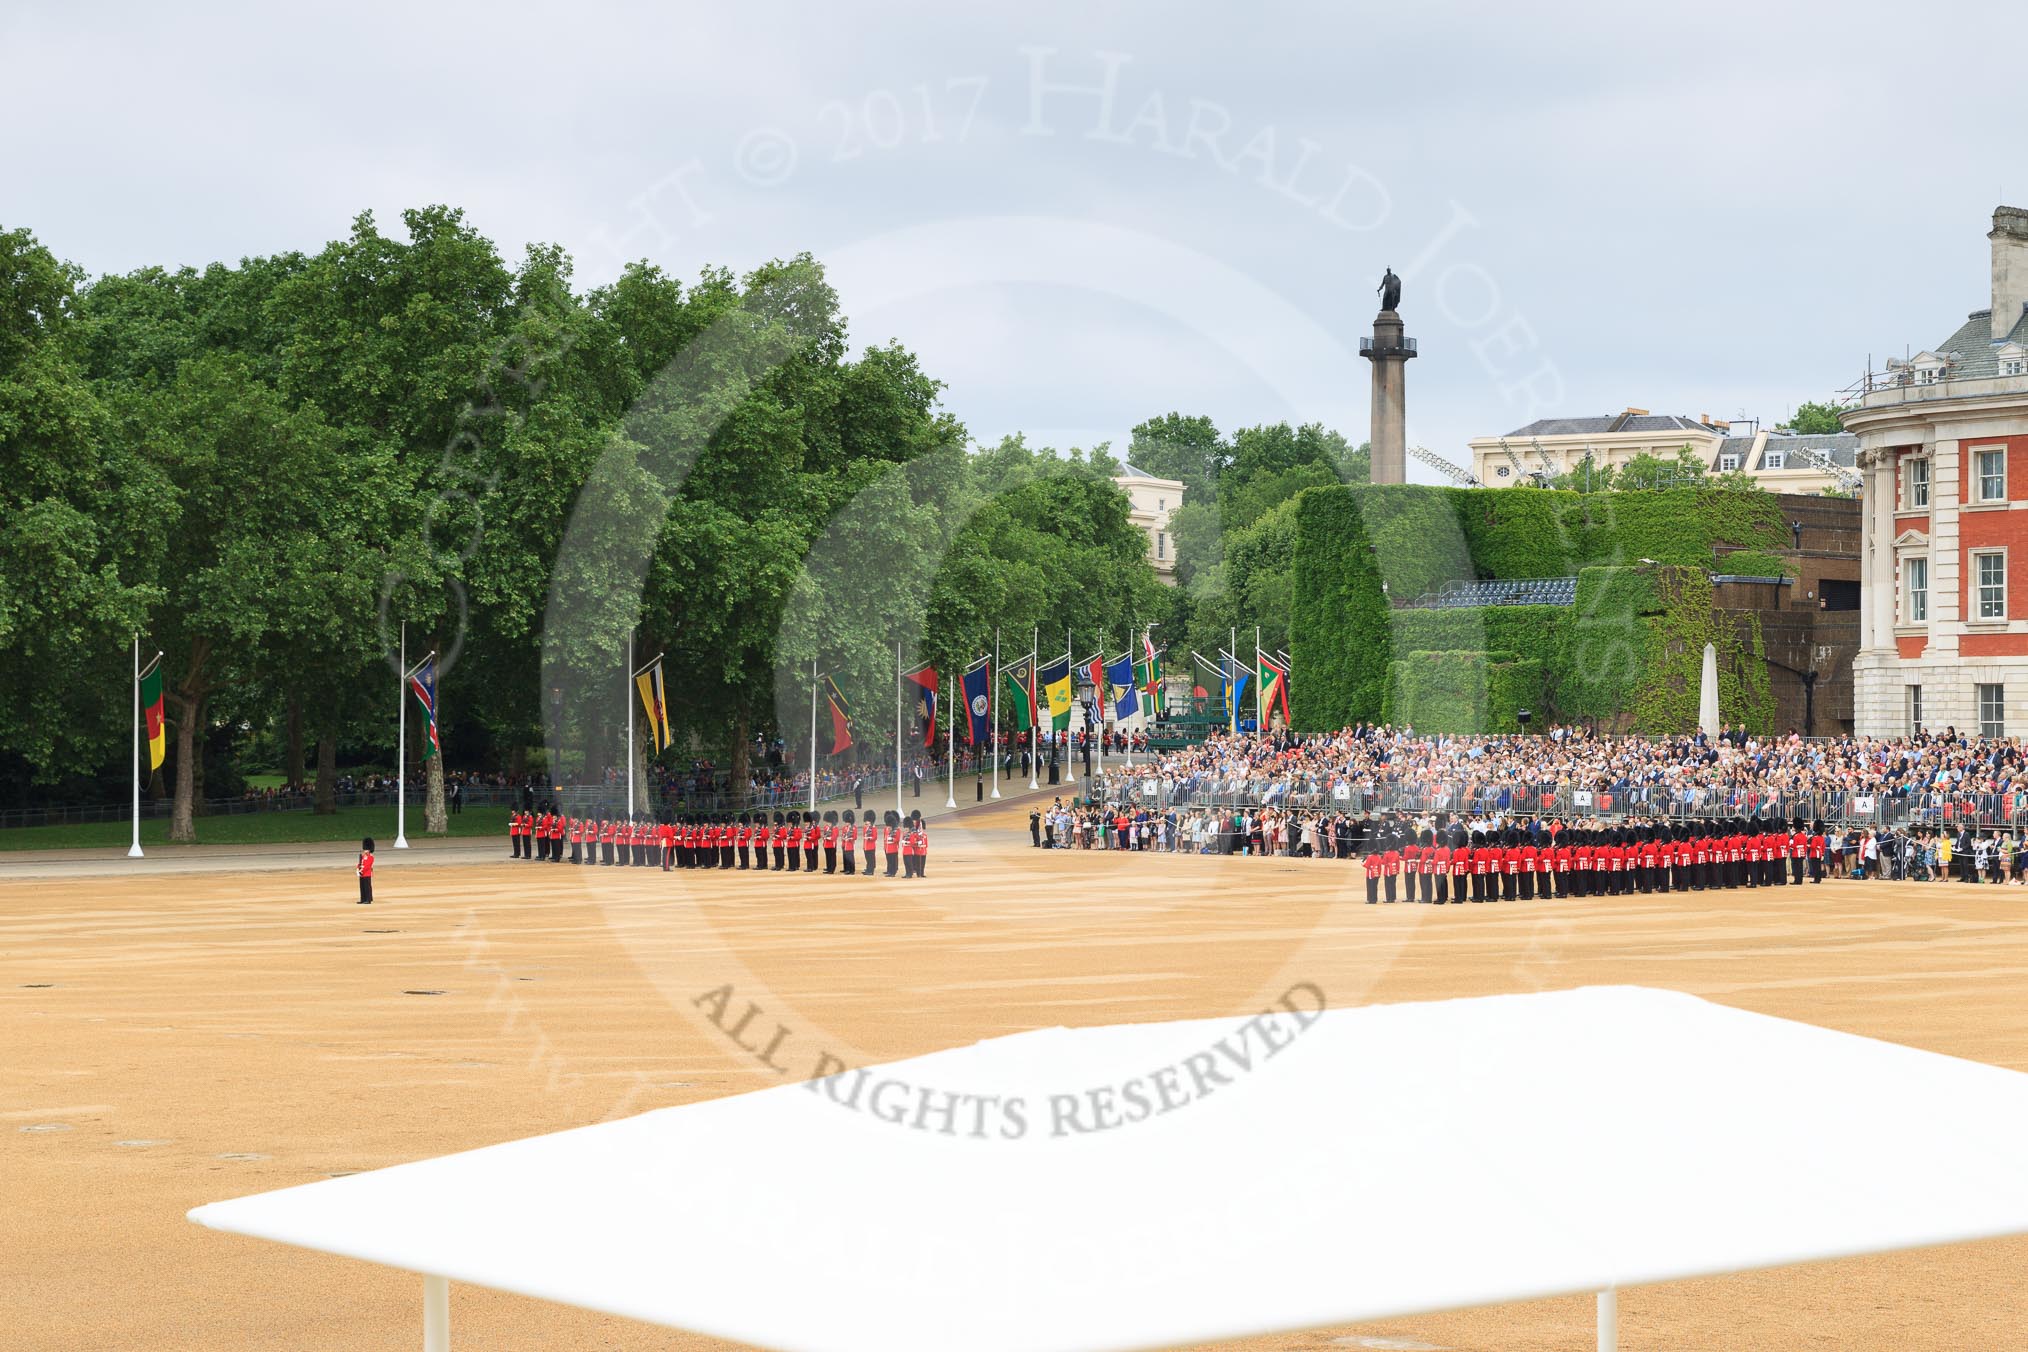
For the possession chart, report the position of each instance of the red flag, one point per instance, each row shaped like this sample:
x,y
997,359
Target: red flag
x,y
925,682
841,732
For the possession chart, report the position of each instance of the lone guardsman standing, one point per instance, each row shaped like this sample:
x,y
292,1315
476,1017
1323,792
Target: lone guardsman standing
x,y
365,871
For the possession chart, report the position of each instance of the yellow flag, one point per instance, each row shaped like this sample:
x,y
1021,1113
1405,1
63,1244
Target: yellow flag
x,y
649,683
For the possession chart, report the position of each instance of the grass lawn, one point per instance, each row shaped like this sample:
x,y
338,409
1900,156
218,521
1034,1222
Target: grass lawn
x,y
257,828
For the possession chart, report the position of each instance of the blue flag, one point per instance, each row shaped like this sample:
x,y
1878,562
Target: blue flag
x,y
977,681
1126,700
1238,692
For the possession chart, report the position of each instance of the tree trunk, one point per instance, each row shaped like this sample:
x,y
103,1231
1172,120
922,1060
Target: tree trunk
x,y
327,774
183,813
517,761
435,822
741,760
292,768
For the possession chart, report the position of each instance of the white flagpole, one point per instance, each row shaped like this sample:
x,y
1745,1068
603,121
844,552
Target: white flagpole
x,y
897,725
630,723
1126,736
951,745
1259,714
813,734
134,850
1232,690
1070,676
993,703
1098,704
1034,714
401,747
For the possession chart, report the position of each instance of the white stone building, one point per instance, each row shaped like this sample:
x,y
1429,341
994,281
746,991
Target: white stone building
x,y
1153,501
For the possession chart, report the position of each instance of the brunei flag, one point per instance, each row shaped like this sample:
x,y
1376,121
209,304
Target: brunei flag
x,y
655,700
1055,682
1017,692
841,726
151,713
924,679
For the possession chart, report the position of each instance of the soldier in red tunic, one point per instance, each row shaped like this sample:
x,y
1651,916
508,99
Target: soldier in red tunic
x,y
869,839
847,840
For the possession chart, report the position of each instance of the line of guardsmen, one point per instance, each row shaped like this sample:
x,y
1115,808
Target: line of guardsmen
x,y
733,840
1559,859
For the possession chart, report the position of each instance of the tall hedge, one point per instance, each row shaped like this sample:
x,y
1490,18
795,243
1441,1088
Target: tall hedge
x,y
1595,658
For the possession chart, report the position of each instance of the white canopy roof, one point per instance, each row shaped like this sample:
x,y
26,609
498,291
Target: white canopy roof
x,y
1367,1163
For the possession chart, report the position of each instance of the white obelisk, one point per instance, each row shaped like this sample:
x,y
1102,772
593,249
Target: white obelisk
x,y
1707,700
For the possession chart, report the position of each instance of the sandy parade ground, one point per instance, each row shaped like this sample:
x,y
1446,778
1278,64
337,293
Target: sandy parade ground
x,y
206,1025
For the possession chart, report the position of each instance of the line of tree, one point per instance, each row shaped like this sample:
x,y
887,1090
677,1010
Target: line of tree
x,y
266,468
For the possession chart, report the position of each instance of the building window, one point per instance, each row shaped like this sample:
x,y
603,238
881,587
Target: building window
x,y
1772,460
1161,504
1915,575
1918,483
1728,463
1161,545
1989,575
1928,375
1915,708
1992,711
2014,366
1991,467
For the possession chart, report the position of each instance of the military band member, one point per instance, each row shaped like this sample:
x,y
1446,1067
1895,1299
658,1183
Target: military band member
x,y
1373,866
891,844
869,840
847,841
811,832
830,836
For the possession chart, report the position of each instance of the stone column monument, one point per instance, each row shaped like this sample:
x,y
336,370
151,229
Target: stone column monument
x,y
1389,351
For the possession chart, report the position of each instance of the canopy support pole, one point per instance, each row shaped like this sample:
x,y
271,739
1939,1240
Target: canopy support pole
x,y
1608,1320
437,1314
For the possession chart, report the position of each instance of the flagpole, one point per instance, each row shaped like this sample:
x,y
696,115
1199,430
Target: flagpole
x,y
951,743
1259,716
630,724
1098,702
1034,714
993,702
1126,736
1069,675
401,747
134,850
1232,690
813,734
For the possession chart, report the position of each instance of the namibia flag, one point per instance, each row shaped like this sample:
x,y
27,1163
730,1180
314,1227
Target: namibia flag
x,y
423,682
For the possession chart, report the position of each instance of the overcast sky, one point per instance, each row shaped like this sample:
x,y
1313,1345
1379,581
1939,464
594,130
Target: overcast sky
x,y
1080,216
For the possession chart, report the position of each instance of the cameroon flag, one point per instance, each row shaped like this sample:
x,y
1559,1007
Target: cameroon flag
x,y
1274,685
1017,689
151,711
1055,682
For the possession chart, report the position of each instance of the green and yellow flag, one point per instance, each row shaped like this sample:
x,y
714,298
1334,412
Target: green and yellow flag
x,y
1055,682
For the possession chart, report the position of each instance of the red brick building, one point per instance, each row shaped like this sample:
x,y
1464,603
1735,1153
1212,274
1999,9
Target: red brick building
x,y
1943,443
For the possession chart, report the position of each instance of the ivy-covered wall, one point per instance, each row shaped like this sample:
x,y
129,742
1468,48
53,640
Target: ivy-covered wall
x,y
1609,659
1461,691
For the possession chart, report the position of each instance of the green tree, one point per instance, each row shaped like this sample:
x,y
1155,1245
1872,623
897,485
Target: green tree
x,y
1814,419
79,529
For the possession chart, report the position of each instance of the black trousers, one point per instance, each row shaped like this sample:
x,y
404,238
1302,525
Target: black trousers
x,y
795,856
846,859
869,861
893,862
830,859
809,859
366,891
577,851
1372,890
1443,888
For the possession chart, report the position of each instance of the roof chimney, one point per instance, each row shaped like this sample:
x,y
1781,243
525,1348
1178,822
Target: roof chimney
x,y
2010,268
